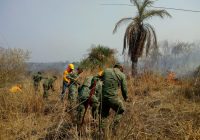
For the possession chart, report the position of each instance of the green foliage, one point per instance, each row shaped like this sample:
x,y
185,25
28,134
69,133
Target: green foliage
x,y
99,57
12,64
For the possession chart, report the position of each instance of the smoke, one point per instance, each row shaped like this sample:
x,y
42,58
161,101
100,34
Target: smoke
x,y
179,57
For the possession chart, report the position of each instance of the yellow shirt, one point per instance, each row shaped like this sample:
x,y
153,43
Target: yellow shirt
x,y
65,73
15,89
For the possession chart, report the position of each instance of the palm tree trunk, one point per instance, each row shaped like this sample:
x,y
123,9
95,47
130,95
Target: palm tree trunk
x,y
134,67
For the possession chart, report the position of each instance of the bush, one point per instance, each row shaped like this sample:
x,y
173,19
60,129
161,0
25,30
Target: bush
x,y
99,57
12,64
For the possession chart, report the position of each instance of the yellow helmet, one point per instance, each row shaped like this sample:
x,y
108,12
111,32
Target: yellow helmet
x,y
71,66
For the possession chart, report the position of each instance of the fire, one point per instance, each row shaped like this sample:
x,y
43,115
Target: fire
x,y
171,76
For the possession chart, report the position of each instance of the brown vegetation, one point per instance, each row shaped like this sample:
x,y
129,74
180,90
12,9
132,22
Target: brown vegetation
x,y
157,107
157,110
12,64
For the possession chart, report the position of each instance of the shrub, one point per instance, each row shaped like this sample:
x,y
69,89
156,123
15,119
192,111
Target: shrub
x,y
99,57
12,64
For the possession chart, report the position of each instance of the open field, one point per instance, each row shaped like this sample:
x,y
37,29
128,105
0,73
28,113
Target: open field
x,y
158,110
49,40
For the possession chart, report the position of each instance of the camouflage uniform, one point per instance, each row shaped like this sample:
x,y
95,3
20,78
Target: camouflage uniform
x,y
113,78
84,94
73,87
36,80
47,85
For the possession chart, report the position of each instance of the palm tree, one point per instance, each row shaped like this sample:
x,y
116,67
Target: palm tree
x,y
139,34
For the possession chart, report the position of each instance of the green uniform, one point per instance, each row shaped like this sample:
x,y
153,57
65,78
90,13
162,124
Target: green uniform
x,y
113,78
47,85
73,92
36,80
84,94
73,87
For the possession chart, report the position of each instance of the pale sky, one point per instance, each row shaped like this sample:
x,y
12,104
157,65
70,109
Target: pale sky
x,y
60,30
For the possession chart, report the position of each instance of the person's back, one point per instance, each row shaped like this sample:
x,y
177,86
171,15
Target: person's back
x,y
98,87
37,77
36,80
112,79
85,88
88,98
73,87
84,92
48,84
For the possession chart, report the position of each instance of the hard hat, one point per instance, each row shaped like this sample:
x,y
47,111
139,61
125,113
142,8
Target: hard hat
x,y
71,66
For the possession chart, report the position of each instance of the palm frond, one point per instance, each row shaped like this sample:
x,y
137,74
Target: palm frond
x,y
136,3
120,22
152,13
148,39
154,35
143,6
142,42
133,41
129,35
125,38
152,38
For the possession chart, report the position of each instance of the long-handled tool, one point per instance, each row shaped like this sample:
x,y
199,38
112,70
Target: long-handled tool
x,y
92,91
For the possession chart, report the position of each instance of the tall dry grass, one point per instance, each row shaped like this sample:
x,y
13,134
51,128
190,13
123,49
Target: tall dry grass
x,y
12,65
157,110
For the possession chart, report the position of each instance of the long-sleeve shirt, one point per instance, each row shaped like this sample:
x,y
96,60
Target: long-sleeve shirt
x,y
65,79
113,78
48,83
84,93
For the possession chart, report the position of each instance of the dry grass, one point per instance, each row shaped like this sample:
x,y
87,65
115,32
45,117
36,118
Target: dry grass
x,y
158,110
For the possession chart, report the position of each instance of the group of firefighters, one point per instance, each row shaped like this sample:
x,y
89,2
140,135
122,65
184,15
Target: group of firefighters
x,y
47,84
99,91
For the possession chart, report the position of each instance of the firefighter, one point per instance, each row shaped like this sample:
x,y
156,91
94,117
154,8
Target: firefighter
x,y
73,86
36,80
66,81
87,98
16,89
47,85
113,78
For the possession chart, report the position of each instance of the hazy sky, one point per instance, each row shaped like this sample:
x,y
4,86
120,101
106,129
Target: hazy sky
x,y
60,30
